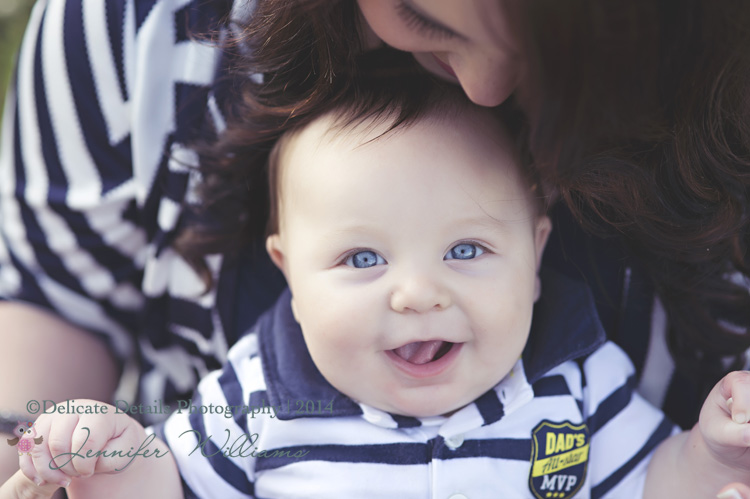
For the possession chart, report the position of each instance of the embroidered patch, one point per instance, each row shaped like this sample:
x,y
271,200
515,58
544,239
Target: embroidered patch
x,y
559,458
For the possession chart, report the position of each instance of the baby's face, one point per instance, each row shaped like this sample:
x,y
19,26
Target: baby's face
x,y
412,260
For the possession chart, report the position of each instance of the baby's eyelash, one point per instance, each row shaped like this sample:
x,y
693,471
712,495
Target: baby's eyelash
x,y
420,24
479,250
475,243
343,258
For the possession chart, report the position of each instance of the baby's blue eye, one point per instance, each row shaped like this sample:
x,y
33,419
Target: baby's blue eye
x,y
364,259
464,251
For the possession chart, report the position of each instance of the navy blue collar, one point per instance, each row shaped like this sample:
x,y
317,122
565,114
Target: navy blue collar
x,y
565,327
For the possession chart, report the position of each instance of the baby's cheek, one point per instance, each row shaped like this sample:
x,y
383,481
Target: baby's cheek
x,y
330,343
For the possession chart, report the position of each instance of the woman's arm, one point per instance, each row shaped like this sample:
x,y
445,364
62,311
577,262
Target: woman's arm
x,y
46,358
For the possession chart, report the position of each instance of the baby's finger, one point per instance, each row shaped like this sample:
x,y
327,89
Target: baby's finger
x,y
26,464
729,434
42,477
734,491
120,452
735,389
53,456
25,461
20,486
92,438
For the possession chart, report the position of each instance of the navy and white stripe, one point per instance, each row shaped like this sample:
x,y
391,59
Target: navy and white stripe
x,y
483,450
92,182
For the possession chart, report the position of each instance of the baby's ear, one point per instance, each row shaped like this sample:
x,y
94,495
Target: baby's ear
x,y
543,229
275,251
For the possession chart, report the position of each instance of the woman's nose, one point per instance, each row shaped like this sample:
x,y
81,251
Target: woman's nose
x,y
488,80
419,293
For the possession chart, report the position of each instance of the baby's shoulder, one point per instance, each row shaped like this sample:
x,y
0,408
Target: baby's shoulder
x,y
605,369
244,362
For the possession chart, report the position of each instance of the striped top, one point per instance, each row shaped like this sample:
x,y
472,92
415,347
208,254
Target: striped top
x,y
94,179
565,421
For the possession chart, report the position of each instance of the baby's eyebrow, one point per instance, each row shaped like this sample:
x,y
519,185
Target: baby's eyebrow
x,y
345,229
506,211
345,233
487,222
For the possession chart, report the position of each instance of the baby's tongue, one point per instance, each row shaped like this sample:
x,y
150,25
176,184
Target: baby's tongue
x,y
419,352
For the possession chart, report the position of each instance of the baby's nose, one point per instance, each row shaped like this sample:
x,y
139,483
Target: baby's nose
x,y
419,293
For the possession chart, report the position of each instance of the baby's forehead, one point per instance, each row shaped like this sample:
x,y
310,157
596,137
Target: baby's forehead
x,y
337,132
473,140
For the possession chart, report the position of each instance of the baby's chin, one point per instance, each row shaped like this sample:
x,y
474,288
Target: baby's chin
x,y
429,413
428,409
444,399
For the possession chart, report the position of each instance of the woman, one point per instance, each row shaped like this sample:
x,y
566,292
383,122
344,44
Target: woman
x,y
636,114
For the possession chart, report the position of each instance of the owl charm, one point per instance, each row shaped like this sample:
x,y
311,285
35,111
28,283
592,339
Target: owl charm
x,y
25,441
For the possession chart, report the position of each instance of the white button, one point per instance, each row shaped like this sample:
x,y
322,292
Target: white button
x,y
454,442
458,496
373,418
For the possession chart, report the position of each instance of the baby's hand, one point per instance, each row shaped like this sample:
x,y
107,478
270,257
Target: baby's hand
x,y
724,424
79,445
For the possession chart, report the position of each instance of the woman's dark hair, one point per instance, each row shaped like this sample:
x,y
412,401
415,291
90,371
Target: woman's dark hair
x,y
640,116
307,53
638,112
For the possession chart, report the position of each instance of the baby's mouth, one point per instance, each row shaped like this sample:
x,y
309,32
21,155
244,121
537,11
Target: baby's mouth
x,y
422,352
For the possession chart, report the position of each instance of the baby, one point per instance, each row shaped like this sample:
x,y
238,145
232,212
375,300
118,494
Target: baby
x,y
403,361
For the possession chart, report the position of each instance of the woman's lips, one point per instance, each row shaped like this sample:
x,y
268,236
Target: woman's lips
x,y
444,66
428,369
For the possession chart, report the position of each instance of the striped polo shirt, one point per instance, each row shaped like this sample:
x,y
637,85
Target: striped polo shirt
x,y
565,422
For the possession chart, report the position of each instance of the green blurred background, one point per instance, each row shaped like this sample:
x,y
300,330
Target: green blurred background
x,y
13,16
